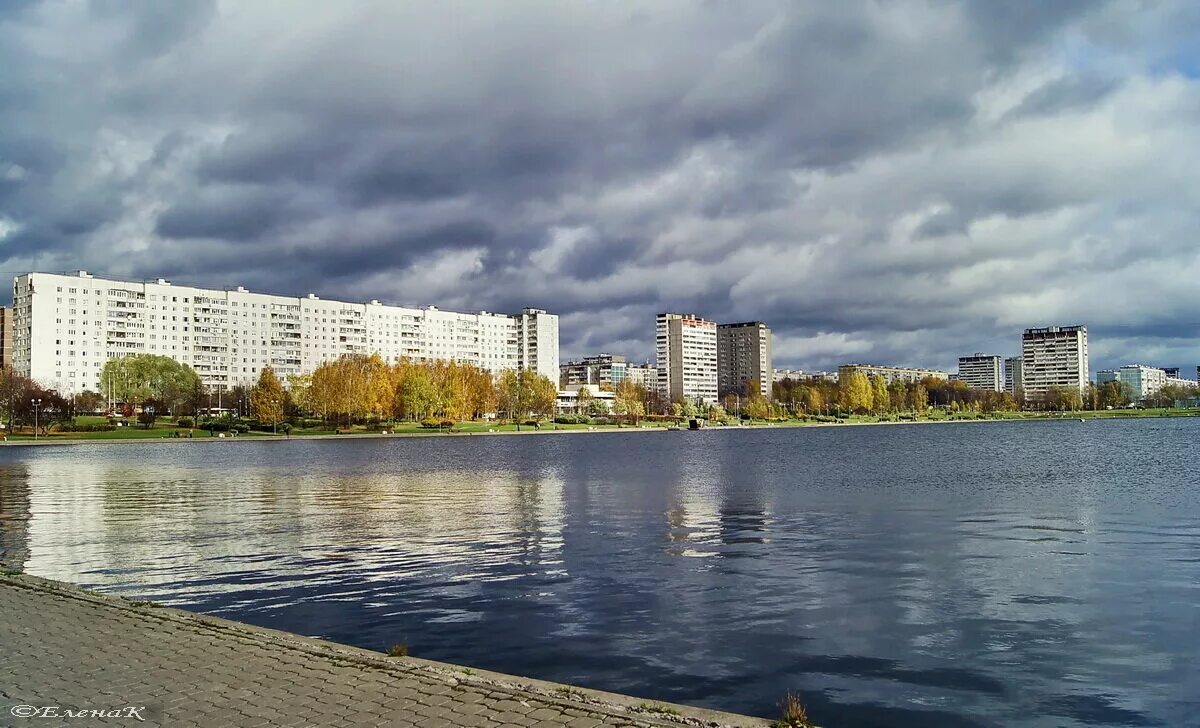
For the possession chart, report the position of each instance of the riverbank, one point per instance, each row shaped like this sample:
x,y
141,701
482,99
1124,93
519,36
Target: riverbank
x,y
164,433
76,649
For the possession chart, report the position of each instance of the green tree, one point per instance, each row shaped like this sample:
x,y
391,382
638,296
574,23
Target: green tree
x,y
583,400
267,397
416,394
136,378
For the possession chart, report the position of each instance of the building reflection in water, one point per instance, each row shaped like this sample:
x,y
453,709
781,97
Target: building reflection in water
x,y
184,532
14,515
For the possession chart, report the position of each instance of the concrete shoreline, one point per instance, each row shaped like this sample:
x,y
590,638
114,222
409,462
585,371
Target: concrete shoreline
x,y
79,649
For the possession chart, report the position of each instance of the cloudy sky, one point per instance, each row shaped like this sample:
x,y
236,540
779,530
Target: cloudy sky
x,y
898,182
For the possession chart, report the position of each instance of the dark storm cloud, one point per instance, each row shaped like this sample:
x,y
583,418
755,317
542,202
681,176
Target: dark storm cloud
x,y
891,181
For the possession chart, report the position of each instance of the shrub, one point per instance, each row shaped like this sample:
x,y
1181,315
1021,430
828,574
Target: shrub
x,y
430,423
531,423
187,422
571,419
72,427
241,428
793,713
601,421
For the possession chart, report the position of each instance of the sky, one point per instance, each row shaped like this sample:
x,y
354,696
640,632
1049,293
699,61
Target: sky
x,y
887,182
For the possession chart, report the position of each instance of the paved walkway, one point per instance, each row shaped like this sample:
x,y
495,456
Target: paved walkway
x,y
66,649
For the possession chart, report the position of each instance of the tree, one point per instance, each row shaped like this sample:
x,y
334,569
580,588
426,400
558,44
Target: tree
x,y
88,401
814,400
300,392
1112,394
583,400
880,396
266,398
629,401
151,408
855,393
136,378
416,395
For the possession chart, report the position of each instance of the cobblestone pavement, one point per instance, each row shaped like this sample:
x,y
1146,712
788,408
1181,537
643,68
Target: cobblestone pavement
x,y
76,650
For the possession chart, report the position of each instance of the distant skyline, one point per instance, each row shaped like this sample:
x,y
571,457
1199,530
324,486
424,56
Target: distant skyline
x,y
898,183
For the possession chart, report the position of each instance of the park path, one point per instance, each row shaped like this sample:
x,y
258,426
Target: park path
x,y
140,664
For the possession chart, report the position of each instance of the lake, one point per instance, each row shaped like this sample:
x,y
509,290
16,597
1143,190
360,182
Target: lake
x,y
1041,573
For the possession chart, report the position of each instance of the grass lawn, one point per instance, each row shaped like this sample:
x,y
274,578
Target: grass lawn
x,y
166,426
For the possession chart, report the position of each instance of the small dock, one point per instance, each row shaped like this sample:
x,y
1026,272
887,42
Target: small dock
x,y
64,649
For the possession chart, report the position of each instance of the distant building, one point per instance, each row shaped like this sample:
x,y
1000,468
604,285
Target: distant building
x,y
1171,372
686,347
642,374
743,356
891,374
1013,382
568,398
793,374
605,371
981,371
6,333
1054,356
537,342
1181,382
1140,381
66,326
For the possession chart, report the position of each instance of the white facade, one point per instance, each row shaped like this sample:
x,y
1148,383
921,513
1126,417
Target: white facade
x,y
67,326
981,371
793,374
1056,356
686,347
1140,381
537,342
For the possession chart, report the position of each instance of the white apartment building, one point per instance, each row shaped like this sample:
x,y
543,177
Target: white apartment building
x,y
981,371
793,374
1140,381
891,374
66,326
1054,356
645,375
686,346
537,342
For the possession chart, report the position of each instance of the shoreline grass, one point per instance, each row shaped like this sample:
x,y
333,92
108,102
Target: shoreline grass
x,y
164,430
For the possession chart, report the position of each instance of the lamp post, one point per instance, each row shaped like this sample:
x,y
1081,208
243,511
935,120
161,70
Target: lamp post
x,y
36,404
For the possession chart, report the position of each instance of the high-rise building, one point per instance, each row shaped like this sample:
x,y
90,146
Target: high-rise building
x,y
1171,372
601,371
66,326
981,371
6,333
537,342
891,374
743,356
686,348
1013,383
1054,356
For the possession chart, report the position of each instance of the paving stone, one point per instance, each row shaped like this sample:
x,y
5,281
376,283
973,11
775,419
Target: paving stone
x,y
63,647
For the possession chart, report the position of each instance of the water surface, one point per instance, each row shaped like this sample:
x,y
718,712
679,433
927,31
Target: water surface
x,y
989,574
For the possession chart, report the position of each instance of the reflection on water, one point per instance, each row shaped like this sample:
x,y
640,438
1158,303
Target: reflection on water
x,y
999,574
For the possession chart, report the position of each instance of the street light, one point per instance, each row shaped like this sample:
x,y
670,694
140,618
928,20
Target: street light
x,y
36,404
